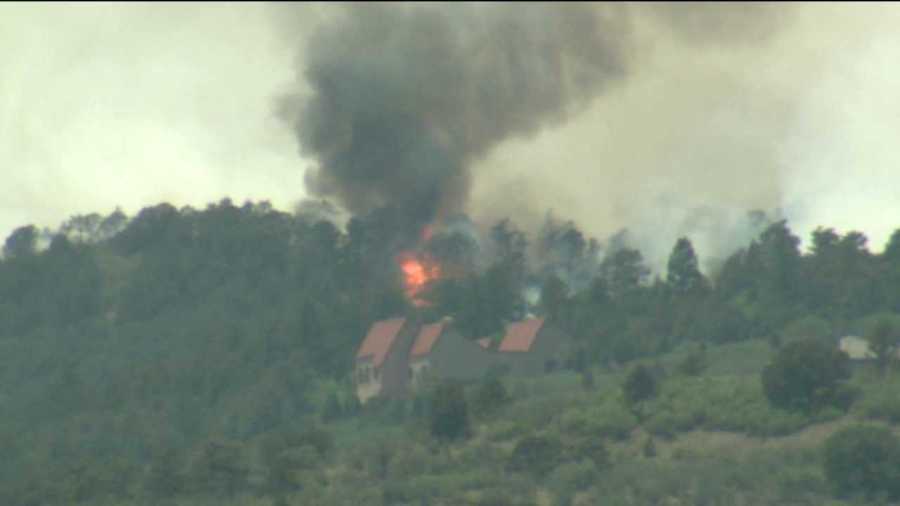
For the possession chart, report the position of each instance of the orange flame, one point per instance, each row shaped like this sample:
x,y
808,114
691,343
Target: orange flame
x,y
417,274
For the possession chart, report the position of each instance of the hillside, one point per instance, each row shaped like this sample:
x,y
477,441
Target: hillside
x,y
188,356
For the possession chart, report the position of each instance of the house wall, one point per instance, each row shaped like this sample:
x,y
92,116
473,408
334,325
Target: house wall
x,y
420,371
550,346
395,369
368,382
457,358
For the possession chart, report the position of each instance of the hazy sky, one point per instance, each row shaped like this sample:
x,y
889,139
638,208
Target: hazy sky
x,y
133,104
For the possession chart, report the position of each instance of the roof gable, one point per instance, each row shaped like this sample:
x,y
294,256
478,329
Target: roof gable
x,y
379,340
520,335
426,339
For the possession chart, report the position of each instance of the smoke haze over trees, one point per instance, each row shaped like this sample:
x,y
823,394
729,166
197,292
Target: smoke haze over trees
x,y
697,113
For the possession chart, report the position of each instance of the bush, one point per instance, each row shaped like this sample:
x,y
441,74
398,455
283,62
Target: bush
x,y
807,327
610,419
505,430
490,396
721,403
882,404
640,385
449,413
695,363
863,460
649,448
883,335
537,455
571,478
806,375
589,449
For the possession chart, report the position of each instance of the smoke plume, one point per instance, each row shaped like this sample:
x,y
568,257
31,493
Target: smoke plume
x,y
406,97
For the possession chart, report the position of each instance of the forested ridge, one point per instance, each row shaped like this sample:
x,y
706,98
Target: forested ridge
x,y
173,355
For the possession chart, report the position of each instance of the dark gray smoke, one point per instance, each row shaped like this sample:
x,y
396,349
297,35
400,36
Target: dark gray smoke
x,y
721,23
406,97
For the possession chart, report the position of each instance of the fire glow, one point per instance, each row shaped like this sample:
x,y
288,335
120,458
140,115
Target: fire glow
x,y
417,273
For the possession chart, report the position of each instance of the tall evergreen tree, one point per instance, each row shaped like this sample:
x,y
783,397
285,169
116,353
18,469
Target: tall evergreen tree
x,y
683,274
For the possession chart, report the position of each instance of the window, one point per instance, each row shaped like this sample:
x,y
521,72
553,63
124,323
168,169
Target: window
x,y
365,373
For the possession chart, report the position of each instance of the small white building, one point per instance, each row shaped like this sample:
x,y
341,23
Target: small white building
x,y
858,348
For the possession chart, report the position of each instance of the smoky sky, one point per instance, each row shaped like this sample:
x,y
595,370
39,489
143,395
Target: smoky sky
x,y
665,119
403,101
405,98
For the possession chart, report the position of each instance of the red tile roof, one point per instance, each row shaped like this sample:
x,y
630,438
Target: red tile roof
x,y
379,340
485,342
426,339
520,335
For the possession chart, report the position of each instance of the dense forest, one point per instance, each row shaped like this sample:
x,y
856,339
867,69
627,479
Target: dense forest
x,y
185,356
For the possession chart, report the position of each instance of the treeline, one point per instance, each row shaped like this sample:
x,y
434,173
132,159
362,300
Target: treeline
x,y
606,296
126,340
767,289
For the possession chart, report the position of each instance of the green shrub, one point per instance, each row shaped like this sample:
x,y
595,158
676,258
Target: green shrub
x,y
694,363
734,404
490,396
504,430
537,455
569,478
449,413
589,449
863,460
806,375
795,484
640,386
649,448
807,327
882,403
611,419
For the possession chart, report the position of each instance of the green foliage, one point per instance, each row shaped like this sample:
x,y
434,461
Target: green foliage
x,y
449,413
640,385
587,379
648,450
164,479
882,402
607,419
22,242
554,297
570,478
591,449
695,363
181,326
806,375
734,404
219,468
883,335
537,455
683,273
863,460
490,396
807,327
624,272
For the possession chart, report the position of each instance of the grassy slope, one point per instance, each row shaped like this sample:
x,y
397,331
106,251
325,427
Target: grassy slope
x,y
384,461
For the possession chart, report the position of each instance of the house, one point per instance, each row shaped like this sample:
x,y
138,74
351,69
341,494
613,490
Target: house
x,y
440,352
381,362
532,347
858,349
398,356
